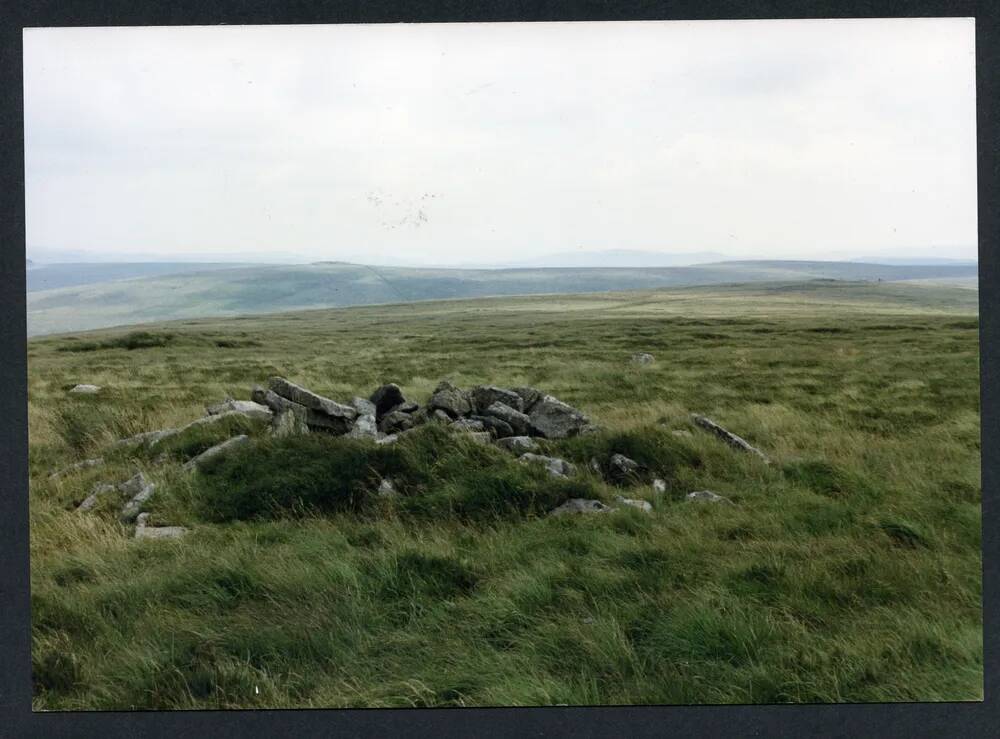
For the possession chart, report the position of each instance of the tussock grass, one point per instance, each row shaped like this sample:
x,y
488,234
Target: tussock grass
x,y
848,570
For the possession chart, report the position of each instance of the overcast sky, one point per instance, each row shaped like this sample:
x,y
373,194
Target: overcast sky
x,y
464,143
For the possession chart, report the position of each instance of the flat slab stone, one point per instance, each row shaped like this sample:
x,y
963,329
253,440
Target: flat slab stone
x,y
642,505
143,531
246,407
519,422
730,438
313,401
140,490
85,389
706,496
217,451
517,444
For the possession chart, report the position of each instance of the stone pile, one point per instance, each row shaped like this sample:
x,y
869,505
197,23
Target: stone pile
x,y
491,412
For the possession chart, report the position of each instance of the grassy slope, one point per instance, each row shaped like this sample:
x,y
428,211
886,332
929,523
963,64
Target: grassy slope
x,y
848,571
266,289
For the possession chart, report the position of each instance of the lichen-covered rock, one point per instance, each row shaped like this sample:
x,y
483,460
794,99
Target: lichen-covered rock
x,y
363,406
553,419
440,416
580,505
642,358
483,396
622,469
258,393
555,466
495,426
519,422
450,399
706,496
290,421
517,444
139,490
529,396
386,398
467,424
98,490
365,426
659,485
147,438
217,451
395,421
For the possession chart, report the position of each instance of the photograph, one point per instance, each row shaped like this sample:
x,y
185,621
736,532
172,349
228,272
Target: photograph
x,y
503,364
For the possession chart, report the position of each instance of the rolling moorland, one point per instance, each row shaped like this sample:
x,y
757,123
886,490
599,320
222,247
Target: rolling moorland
x,y
847,569
106,301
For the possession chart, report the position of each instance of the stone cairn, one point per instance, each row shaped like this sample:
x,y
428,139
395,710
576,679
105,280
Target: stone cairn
x,y
510,418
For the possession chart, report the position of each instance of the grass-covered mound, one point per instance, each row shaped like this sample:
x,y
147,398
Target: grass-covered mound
x,y
436,473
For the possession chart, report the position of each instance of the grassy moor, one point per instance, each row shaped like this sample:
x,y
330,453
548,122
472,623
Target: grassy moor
x,y
847,568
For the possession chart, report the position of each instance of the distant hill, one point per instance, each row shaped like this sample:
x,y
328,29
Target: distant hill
x,y
617,258
52,276
269,289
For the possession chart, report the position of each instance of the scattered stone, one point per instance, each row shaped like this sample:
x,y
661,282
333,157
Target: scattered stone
x,y
387,439
142,531
291,421
642,358
440,416
483,396
394,422
386,398
519,422
219,450
682,433
495,426
659,485
727,436
140,491
529,396
248,408
364,407
85,389
642,505
406,407
621,468
147,438
707,496
290,391
580,505
553,419
98,490
386,489
77,466
450,400
556,467
595,466
517,444
467,424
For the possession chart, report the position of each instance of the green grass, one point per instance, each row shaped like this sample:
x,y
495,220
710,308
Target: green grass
x,y
848,570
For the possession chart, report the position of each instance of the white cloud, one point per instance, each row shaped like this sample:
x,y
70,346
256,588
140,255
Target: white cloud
x,y
783,138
